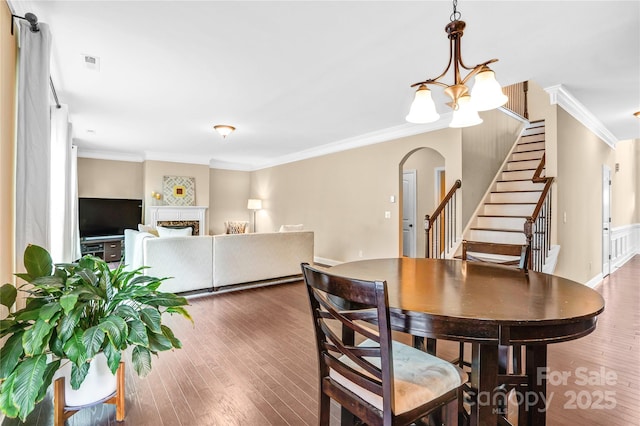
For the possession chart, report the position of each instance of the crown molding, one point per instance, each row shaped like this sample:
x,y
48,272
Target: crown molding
x,y
110,155
371,138
559,95
175,158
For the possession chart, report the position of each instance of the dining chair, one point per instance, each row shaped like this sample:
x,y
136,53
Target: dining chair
x,y
510,255
497,253
378,380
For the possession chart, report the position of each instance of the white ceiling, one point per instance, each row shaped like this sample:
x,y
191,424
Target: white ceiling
x,y
298,78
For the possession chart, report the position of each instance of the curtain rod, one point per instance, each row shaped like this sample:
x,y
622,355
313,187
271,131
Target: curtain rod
x,y
53,92
33,21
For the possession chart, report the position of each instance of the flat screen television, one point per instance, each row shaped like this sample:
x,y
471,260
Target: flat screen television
x,y
100,217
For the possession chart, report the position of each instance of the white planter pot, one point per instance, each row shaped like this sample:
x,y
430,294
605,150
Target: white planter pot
x,y
97,386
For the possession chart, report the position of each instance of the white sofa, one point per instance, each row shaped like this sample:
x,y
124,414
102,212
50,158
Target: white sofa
x,y
220,261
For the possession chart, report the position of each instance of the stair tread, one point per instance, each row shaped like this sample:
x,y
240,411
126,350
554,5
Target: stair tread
x,y
513,216
497,230
519,170
520,161
508,204
522,190
534,134
529,143
516,180
530,150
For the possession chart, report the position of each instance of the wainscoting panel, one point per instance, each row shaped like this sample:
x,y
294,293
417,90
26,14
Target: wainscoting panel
x,y
625,243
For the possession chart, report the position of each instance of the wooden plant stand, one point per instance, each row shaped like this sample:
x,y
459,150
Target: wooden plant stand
x,y
61,413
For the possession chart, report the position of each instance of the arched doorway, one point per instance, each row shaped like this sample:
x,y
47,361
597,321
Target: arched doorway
x,y
421,172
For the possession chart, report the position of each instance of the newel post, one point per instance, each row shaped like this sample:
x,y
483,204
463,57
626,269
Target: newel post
x,y
528,233
427,232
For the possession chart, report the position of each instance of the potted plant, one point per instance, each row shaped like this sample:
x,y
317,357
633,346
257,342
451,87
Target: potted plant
x,y
75,312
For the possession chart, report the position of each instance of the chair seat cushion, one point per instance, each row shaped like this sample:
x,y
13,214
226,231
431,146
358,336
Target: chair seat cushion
x,y
419,377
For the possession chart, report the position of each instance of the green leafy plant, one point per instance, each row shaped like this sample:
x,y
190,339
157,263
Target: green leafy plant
x,y
74,311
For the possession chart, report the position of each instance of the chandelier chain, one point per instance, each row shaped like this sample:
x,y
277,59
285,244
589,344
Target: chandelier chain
x,y
455,16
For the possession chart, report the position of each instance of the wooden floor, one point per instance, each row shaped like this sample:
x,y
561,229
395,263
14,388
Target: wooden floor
x,y
249,360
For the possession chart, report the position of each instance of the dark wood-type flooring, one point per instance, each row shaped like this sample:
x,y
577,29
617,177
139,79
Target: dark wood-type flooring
x,y
249,360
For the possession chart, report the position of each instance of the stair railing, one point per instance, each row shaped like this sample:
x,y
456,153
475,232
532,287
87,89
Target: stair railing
x,y
518,102
440,227
537,227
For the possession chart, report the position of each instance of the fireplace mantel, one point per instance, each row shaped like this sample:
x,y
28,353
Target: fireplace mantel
x,y
177,213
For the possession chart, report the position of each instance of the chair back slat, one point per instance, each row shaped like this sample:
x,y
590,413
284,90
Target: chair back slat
x,y
519,251
340,306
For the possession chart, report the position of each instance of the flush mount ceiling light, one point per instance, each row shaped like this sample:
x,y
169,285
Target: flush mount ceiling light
x,y
485,95
224,129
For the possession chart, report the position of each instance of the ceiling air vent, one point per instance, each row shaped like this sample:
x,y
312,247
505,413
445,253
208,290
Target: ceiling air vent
x,y
91,62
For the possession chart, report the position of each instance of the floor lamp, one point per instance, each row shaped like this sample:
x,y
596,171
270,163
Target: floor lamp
x,y
254,204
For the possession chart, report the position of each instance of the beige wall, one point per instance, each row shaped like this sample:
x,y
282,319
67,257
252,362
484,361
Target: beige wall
x,y
8,59
154,171
484,149
424,162
540,108
581,155
624,184
109,179
126,179
343,196
228,194
636,195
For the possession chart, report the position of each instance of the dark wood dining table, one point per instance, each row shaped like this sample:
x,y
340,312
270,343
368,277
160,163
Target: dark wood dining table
x,y
489,305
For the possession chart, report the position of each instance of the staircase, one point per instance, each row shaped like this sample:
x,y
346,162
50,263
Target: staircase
x,y
517,209
515,194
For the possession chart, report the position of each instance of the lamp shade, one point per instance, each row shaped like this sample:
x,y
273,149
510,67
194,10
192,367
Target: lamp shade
x,y
487,93
423,109
254,204
465,115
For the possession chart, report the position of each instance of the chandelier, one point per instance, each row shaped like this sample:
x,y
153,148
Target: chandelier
x,y
486,93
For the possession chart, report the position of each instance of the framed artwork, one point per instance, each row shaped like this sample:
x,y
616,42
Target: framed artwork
x,y
179,190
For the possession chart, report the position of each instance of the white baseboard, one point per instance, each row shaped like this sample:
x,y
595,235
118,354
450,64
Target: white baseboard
x,y
325,261
594,281
551,261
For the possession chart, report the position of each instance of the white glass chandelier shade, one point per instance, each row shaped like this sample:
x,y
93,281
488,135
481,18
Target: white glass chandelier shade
x,y
486,93
423,109
465,115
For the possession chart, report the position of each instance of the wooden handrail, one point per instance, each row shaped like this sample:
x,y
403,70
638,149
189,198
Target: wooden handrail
x,y
537,179
542,224
536,175
430,219
446,226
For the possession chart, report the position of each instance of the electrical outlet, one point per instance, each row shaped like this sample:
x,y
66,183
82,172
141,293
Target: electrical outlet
x,y
360,254
387,215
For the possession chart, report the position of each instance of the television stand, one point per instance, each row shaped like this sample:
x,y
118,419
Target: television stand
x,y
107,248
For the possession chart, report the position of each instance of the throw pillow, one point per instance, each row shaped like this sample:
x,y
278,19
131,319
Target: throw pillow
x,y
147,228
236,227
292,228
174,232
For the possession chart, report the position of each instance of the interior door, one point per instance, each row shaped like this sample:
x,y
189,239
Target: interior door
x,y
409,213
606,220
